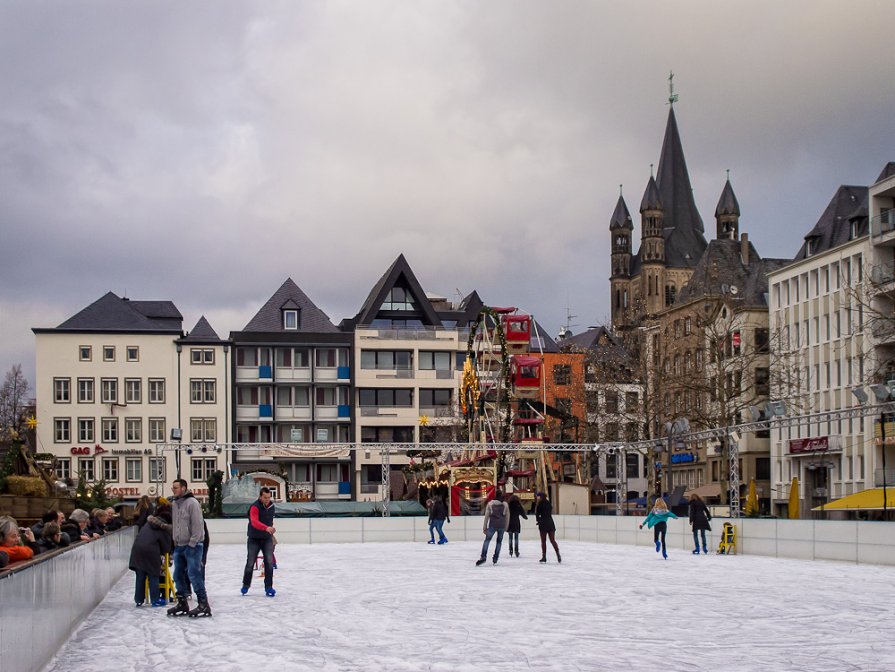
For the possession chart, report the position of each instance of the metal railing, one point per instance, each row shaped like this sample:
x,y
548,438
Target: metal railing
x,y
883,223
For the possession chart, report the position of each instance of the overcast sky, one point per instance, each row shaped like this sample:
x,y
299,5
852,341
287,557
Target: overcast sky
x,y
203,152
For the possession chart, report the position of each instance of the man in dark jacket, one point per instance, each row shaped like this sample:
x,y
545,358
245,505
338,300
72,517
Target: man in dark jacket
x,y
189,535
438,513
260,539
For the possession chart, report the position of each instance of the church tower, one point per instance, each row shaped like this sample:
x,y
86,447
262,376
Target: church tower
x,y
621,229
652,249
727,214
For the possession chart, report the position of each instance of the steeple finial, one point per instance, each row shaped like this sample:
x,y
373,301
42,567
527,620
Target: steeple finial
x,y
620,190
651,170
672,96
728,174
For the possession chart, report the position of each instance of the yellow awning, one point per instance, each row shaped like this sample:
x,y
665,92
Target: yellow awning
x,y
866,500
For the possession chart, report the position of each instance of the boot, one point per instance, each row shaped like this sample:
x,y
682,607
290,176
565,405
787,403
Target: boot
x,y
696,552
558,557
705,550
480,562
201,609
543,559
181,608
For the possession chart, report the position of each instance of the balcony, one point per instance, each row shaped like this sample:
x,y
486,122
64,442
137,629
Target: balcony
x,y
882,276
883,330
323,373
883,224
259,412
420,334
342,412
285,374
333,490
293,412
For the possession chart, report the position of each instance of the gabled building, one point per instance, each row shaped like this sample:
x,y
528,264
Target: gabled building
x,y
292,385
114,380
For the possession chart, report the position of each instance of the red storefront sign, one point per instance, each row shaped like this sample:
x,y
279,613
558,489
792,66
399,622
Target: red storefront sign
x,y
815,444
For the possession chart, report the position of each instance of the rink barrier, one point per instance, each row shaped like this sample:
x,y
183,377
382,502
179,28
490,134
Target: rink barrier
x,y
849,541
43,601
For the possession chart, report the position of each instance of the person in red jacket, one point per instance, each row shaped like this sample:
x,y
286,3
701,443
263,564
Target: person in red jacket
x,y
11,540
260,538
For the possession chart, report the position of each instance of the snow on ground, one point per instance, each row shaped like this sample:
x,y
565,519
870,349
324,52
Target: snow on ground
x,y
399,606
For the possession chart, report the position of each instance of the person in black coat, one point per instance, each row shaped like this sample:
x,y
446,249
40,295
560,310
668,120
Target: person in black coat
x,y
152,542
546,526
515,527
51,537
699,521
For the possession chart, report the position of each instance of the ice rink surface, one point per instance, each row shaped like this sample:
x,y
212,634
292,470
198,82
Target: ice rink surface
x,y
400,606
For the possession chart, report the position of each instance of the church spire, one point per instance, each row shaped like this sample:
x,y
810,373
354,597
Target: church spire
x,y
727,213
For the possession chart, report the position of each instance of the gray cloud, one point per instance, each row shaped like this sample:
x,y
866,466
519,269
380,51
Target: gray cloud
x,y
203,152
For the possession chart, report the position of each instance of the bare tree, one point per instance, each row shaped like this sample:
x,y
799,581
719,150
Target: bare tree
x,y
14,397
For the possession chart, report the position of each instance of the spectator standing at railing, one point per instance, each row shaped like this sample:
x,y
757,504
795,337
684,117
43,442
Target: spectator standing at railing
x,y
16,543
98,520
113,520
52,538
76,526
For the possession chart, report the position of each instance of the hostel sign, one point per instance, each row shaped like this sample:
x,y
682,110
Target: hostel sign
x,y
816,444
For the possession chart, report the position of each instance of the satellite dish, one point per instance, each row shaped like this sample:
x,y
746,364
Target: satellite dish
x,y
734,290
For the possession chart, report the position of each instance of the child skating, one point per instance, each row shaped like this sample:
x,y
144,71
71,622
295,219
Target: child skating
x,y
657,520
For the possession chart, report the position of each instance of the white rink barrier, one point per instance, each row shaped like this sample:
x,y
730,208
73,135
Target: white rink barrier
x,y
850,541
41,604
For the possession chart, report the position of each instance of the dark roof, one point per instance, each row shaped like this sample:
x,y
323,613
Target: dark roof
x,y
727,204
888,171
651,198
465,313
202,332
270,318
683,228
721,269
547,343
399,271
592,338
112,313
834,227
621,218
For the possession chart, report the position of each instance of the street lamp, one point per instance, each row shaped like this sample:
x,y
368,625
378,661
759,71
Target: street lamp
x,y
882,393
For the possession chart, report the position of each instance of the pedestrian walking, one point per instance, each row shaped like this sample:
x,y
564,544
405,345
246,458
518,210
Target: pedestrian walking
x,y
260,539
699,520
495,520
517,511
657,520
546,526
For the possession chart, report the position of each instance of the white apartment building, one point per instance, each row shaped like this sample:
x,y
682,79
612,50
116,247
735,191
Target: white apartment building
x,y
114,380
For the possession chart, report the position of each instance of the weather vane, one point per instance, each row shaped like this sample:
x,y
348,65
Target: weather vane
x,y
672,96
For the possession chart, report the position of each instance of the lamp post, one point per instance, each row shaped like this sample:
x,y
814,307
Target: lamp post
x,y
882,393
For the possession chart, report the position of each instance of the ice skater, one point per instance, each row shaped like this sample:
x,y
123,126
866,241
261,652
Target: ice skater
x,y
546,526
699,520
515,527
189,534
152,542
438,513
657,520
260,538
496,519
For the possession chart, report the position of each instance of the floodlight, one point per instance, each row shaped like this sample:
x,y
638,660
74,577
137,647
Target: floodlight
x,y
735,436
860,394
881,392
776,408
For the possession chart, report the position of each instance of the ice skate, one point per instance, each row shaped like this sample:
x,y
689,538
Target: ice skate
x,y
696,552
480,562
543,559
270,592
244,590
431,541
201,609
181,608
558,557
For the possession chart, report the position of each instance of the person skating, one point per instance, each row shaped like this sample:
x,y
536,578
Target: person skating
x,y
546,526
657,520
515,526
189,535
260,538
438,513
699,520
496,519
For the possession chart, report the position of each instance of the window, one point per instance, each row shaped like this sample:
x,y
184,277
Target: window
x,y
762,381
398,299
612,466
202,391
762,341
564,405
688,329
383,397
85,430
61,430
612,403
203,468
562,374
699,360
632,399
202,356
290,320
334,396
157,469
110,430
109,390
85,353
611,433
62,390
133,390
203,430
108,353
156,430
387,434
437,361
632,468
156,390
331,357
297,358
110,469
246,357
401,360
63,468
437,397
631,431
762,468
133,469
133,353
87,469
85,390
133,430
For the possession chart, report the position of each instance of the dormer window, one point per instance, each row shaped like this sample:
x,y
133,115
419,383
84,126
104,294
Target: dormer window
x,y
812,246
855,229
290,320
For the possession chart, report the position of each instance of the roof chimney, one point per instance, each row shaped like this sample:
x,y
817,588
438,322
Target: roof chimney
x,y
744,248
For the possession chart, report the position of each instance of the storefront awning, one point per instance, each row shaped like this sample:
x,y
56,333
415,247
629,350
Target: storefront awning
x,y
710,490
866,500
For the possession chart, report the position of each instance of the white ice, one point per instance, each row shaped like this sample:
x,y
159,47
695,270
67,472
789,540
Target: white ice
x,y
401,606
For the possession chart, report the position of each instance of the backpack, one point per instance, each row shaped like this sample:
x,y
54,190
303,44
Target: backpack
x,y
498,515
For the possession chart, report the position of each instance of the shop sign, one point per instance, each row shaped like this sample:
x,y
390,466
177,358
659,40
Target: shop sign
x,y
682,458
122,492
86,450
131,451
815,444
